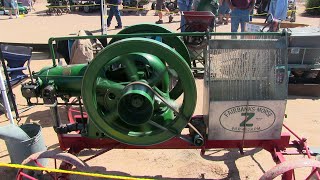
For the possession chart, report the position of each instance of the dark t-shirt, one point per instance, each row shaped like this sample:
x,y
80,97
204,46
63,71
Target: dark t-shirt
x,y
241,4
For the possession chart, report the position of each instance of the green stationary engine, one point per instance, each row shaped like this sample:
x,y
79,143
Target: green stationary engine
x,y
127,90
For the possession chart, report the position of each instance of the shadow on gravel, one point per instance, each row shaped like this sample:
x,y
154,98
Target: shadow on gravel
x,y
230,158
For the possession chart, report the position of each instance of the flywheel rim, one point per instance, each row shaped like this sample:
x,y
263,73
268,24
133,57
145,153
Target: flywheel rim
x,y
158,49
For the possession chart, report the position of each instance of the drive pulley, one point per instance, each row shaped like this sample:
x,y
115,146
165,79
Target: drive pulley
x,y
126,92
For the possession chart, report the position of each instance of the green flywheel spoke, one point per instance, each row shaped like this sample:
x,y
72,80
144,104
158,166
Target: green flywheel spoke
x,y
157,77
161,93
131,69
110,116
166,101
108,85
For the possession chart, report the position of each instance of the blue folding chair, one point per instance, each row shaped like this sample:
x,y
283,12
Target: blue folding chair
x,y
13,59
16,58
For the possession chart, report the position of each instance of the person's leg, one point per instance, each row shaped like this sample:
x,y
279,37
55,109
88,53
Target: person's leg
x,y
14,6
168,12
235,20
160,15
245,17
220,18
195,4
110,16
160,21
7,6
227,19
159,9
170,15
118,18
189,8
227,12
182,7
222,11
10,13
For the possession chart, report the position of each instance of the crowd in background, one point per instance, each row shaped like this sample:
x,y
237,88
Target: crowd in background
x,y
239,11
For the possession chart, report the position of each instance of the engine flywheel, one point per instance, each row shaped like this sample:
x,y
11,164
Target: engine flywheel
x,y
126,93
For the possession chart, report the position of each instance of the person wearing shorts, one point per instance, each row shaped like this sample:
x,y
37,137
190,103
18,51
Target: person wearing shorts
x,y
159,6
11,5
224,12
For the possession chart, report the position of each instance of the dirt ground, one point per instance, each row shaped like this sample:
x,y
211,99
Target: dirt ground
x,y
37,27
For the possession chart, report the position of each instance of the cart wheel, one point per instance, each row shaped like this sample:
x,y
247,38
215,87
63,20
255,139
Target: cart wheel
x,y
171,6
153,5
53,11
59,12
67,162
86,8
134,3
286,169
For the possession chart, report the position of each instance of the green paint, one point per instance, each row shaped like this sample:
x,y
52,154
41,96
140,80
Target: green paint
x,y
247,118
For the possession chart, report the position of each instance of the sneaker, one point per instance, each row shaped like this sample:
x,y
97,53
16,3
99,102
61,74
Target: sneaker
x,y
159,22
170,18
108,25
17,16
118,27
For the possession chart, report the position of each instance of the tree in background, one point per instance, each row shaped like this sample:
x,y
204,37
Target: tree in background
x,y
311,4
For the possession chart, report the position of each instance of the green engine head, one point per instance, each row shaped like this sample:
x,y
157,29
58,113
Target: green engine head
x,y
65,79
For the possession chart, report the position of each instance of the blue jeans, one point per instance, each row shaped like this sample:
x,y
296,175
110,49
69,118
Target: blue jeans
x,y
114,11
224,8
184,5
239,16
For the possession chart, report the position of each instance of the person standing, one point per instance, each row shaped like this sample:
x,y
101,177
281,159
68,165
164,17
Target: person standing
x,y
278,9
224,11
159,5
240,13
11,5
114,11
184,5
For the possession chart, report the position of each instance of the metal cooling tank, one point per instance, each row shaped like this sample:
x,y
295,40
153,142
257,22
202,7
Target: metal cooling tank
x,y
245,87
